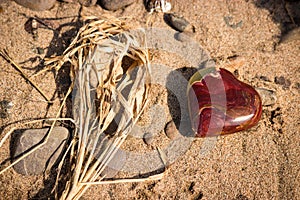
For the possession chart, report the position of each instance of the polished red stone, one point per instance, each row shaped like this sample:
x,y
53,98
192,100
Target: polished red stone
x,y
221,104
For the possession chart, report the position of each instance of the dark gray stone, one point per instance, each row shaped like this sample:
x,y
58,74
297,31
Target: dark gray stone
x,y
38,5
115,4
44,157
286,83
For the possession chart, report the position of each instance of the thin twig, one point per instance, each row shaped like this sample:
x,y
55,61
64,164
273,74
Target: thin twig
x,y
5,55
129,180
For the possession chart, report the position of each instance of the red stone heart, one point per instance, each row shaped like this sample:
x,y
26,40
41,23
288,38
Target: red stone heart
x,y
221,104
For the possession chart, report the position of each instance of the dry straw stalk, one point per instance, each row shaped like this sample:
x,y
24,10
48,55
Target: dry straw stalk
x,y
109,96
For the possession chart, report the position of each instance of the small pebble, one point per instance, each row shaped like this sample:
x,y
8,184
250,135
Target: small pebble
x,y
38,5
178,23
268,97
31,26
286,83
4,108
148,138
191,187
199,196
236,73
45,156
113,5
171,130
88,3
264,78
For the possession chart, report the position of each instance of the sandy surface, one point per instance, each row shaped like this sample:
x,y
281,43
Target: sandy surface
x,y
261,163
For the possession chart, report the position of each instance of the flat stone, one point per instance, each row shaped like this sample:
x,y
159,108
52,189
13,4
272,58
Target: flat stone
x,y
44,157
268,97
38,5
115,4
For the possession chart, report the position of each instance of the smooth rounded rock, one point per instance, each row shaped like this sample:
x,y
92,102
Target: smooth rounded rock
x,y
38,5
43,158
113,5
221,104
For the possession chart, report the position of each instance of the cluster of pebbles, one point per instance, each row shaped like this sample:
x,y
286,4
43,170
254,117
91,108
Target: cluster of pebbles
x,y
174,20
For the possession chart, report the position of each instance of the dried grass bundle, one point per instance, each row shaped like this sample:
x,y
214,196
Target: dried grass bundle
x,y
111,76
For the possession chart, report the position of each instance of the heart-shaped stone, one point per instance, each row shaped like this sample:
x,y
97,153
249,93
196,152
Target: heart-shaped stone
x,y
221,104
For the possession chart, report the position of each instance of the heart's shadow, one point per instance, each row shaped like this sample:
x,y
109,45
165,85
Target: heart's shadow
x,y
177,84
